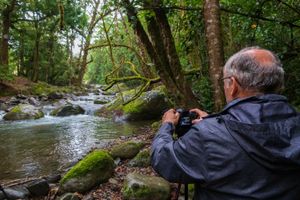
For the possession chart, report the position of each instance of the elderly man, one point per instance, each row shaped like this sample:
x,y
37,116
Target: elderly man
x,y
250,150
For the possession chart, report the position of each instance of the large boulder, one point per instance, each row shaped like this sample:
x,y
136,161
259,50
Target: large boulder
x,y
141,187
97,167
126,150
149,105
24,111
68,110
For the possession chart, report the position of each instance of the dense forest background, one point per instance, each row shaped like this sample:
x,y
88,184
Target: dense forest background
x,y
180,43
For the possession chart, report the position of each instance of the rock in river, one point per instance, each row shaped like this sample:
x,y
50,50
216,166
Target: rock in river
x,y
97,167
68,110
24,111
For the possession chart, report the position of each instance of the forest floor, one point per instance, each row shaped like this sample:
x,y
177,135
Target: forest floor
x,y
112,190
18,85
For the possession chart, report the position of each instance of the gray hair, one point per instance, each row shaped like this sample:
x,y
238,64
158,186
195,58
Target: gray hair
x,y
254,75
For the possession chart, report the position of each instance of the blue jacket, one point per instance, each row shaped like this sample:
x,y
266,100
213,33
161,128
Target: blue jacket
x,y
251,150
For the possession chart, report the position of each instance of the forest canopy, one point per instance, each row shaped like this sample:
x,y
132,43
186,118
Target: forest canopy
x,y
142,43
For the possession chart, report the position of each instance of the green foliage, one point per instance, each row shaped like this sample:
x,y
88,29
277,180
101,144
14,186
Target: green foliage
x,y
37,28
203,90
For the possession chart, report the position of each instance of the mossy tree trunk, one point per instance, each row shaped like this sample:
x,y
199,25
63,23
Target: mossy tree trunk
x,y
161,49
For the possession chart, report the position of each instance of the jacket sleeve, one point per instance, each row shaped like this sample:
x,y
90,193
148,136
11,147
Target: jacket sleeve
x,y
182,160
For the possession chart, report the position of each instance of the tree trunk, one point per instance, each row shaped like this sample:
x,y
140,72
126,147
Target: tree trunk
x,y
161,50
185,93
85,51
50,65
35,74
6,24
21,55
215,49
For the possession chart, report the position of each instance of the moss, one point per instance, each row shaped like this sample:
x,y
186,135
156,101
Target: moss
x,y
95,160
98,101
138,192
127,149
54,112
133,107
16,109
42,88
142,187
155,125
39,115
142,159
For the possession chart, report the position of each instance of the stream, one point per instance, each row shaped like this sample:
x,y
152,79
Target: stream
x,y
32,148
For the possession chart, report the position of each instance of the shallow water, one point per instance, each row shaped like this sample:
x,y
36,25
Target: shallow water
x,y
40,147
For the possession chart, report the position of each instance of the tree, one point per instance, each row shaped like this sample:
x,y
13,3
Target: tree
x,y
215,48
6,17
162,52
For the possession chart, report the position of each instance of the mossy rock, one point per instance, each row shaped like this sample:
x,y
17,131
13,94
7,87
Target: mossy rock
x,y
24,111
141,187
97,167
126,150
156,125
150,105
99,101
142,159
68,110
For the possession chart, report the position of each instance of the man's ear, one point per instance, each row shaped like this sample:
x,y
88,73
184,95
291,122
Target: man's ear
x,y
235,88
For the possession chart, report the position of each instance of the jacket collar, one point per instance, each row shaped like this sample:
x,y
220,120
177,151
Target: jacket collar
x,y
258,98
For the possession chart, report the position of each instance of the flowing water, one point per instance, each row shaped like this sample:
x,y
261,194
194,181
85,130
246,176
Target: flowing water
x,y
31,148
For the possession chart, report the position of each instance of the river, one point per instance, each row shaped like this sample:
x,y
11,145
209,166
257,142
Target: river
x,y
32,148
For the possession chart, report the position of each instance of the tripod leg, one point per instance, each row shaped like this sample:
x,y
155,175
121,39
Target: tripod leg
x,y
186,191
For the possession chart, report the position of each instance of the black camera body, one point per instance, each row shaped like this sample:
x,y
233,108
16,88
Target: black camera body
x,y
185,121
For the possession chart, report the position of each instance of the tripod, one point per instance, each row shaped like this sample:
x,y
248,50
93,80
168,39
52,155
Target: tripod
x,y
186,191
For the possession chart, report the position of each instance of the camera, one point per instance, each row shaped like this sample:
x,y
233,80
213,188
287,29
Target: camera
x,y
185,121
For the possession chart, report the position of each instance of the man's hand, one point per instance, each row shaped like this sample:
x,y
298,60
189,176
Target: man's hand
x,y
171,116
200,113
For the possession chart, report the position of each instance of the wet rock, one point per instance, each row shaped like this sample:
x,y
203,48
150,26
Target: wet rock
x,y
69,196
100,101
56,95
22,112
97,167
141,187
53,178
68,110
33,101
72,97
142,159
38,188
43,98
21,96
15,193
81,93
150,105
14,101
3,106
126,150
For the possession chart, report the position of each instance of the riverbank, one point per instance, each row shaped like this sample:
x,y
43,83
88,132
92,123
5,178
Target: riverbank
x,y
79,128
112,189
